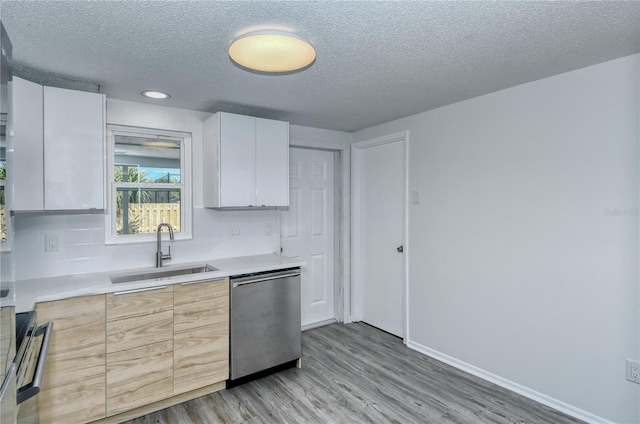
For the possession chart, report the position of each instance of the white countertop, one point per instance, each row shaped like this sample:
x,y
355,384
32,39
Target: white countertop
x,y
9,299
29,292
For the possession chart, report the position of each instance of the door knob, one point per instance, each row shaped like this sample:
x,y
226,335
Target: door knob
x,y
400,249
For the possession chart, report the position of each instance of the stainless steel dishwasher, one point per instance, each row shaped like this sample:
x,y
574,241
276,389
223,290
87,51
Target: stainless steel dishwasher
x,y
265,321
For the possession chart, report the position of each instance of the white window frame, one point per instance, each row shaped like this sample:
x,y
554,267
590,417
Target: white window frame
x,y
186,213
7,245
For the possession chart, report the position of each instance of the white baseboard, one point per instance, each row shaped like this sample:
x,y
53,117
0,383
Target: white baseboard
x,y
510,385
318,324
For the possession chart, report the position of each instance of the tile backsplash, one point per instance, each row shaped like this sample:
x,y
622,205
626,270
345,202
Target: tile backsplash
x,y
81,246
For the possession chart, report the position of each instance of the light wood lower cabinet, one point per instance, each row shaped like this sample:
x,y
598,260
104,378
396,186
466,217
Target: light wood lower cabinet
x,y
74,379
7,353
114,357
201,335
139,348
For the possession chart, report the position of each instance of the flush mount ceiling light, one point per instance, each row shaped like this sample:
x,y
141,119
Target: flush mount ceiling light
x,y
152,94
272,52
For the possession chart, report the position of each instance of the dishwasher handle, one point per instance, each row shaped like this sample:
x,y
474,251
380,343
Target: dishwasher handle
x,y
264,277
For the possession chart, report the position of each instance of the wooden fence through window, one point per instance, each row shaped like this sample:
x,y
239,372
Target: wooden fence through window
x,y
145,217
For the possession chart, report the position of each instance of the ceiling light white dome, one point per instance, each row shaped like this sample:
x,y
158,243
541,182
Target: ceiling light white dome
x,y
272,51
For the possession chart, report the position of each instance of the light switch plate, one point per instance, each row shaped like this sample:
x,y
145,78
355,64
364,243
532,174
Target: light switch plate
x,y
415,197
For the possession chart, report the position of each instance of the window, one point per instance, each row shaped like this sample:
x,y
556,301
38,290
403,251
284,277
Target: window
x,y
149,183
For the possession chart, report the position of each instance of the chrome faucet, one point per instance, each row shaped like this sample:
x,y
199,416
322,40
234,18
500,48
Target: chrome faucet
x,y
159,255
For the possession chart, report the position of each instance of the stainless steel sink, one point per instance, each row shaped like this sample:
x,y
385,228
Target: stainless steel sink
x,y
160,273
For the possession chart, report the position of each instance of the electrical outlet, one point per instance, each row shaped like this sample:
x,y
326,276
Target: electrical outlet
x,y
268,229
51,242
633,371
235,232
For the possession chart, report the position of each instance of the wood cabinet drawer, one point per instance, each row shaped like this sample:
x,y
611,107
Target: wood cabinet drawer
x,y
200,313
201,357
74,365
135,304
78,401
138,331
139,376
191,292
78,322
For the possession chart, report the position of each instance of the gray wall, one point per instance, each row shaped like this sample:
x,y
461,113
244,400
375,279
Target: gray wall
x,y
524,251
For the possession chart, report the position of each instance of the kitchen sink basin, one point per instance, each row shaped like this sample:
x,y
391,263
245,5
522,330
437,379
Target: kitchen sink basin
x,y
160,273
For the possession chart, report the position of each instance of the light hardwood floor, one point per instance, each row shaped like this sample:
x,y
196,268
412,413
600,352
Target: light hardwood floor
x,y
355,373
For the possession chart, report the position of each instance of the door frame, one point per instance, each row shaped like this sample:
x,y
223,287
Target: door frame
x,y
357,286
342,260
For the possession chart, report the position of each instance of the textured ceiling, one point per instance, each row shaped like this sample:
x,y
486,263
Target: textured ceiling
x,y
377,61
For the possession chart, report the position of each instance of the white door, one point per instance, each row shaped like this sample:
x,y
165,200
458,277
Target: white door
x,y
379,182
308,229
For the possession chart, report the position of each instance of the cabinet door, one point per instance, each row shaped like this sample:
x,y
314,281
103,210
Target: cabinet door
x,y
272,162
201,338
237,160
73,149
74,379
26,151
139,348
7,344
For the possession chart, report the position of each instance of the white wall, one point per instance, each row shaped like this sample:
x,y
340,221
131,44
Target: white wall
x,y
524,250
7,266
313,137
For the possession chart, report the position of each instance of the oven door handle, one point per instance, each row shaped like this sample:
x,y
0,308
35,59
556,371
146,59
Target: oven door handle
x,y
33,388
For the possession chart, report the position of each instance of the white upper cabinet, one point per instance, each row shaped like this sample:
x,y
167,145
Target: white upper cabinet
x,y
58,142
26,147
237,160
272,168
246,161
73,149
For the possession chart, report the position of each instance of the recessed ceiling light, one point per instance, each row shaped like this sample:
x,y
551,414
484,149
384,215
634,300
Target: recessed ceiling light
x,y
272,51
155,94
